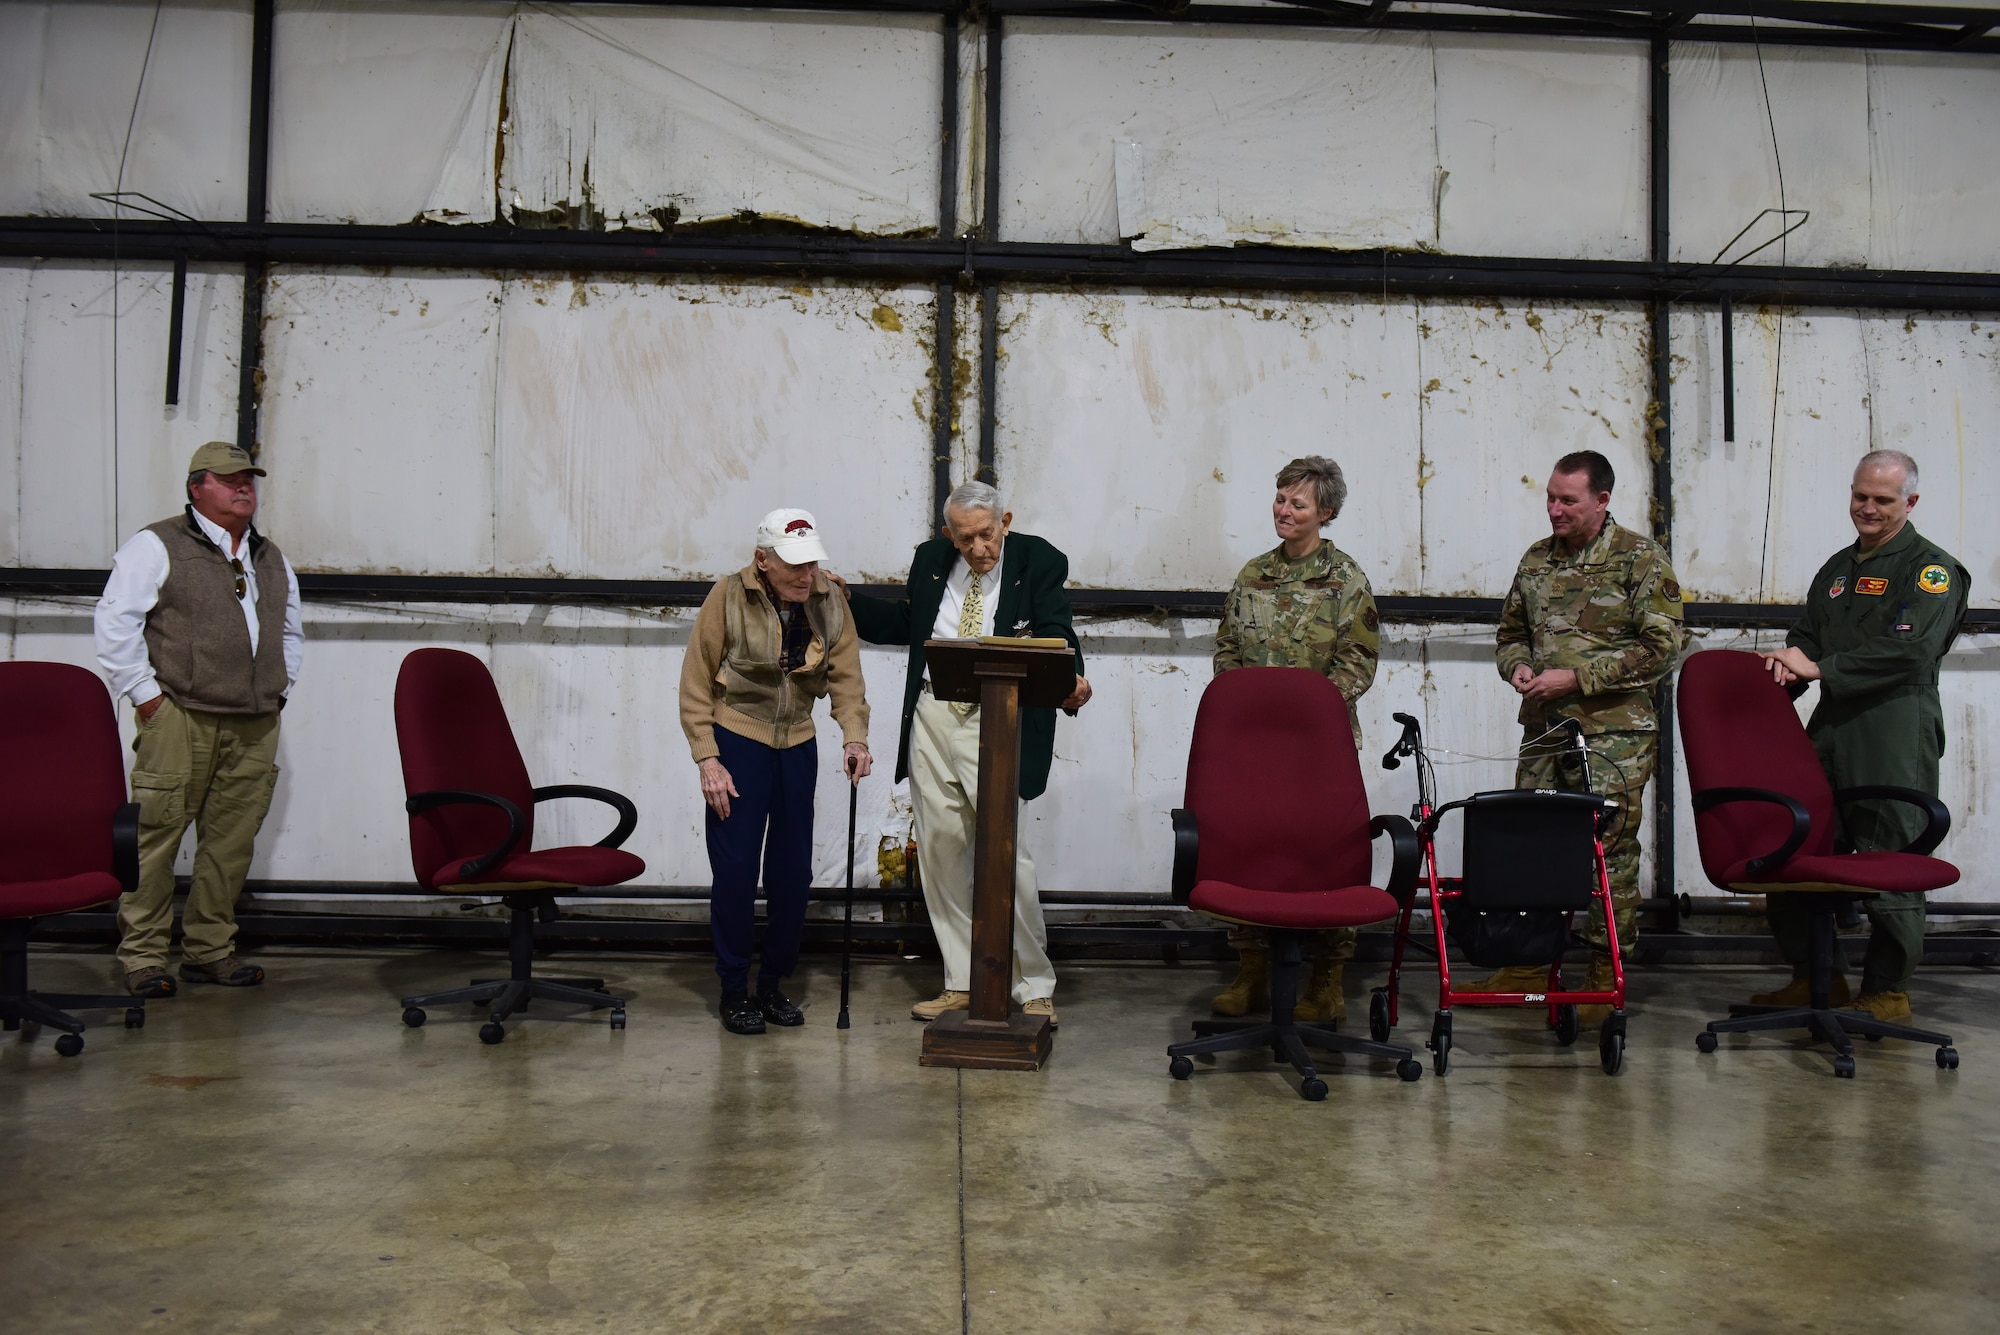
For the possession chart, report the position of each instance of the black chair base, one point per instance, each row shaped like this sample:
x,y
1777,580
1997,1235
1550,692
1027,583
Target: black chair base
x,y
1820,1019
1288,1040
50,1010
510,996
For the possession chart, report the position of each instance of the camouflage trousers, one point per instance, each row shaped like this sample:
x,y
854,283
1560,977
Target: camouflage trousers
x,y
1620,765
1333,946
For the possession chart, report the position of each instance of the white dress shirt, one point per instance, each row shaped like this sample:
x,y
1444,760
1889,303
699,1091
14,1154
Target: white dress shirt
x,y
137,573
946,627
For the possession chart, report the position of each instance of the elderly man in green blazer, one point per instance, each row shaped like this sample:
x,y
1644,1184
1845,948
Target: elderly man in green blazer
x,y
977,579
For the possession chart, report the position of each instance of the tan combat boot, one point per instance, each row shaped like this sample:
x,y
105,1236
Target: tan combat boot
x,y
1888,1007
1798,992
1514,978
1325,1001
1599,979
1252,989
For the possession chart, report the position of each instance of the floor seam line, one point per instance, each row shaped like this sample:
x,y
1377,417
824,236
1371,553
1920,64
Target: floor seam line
x,y
964,1280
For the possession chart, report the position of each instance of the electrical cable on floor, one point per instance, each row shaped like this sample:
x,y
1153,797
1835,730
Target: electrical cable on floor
x,y
117,211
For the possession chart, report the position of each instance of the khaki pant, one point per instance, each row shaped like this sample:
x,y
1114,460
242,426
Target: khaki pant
x,y
218,771
944,788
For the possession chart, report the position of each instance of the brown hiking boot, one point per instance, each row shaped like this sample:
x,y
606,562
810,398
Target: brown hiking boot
x,y
229,971
1325,1002
1252,989
152,982
1514,978
1798,992
1599,979
1888,1007
946,1000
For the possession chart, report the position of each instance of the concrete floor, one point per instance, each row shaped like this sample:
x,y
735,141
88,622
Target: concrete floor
x,y
293,1159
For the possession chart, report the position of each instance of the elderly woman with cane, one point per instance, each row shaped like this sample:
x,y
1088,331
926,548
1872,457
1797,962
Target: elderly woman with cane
x,y
769,641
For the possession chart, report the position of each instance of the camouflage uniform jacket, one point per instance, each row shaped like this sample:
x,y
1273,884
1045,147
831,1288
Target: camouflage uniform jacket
x,y
1611,612
1316,613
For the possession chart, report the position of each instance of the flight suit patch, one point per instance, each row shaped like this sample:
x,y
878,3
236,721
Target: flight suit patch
x,y
1872,585
1934,579
1839,587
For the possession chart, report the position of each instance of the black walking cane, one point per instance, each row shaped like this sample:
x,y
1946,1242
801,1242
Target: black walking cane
x,y
847,928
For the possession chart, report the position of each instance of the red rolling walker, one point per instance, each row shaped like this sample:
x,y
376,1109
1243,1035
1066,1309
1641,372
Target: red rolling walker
x,y
1534,859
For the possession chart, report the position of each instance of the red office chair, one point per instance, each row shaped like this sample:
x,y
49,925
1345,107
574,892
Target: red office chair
x,y
1276,834
1766,820
68,837
472,827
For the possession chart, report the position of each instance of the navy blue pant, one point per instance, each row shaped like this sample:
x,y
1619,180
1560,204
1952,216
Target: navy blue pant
x,y
770,818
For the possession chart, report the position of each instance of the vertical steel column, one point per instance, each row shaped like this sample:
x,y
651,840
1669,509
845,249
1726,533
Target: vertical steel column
x,y
945,353
1665,881
250,368
989,293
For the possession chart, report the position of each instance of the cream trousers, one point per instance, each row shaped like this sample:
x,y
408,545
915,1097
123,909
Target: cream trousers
x,y
944,787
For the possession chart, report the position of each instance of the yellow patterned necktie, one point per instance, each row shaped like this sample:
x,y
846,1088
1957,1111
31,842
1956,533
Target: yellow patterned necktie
x,y
969,616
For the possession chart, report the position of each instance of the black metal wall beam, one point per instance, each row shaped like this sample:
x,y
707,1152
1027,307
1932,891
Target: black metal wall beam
x,y
874,259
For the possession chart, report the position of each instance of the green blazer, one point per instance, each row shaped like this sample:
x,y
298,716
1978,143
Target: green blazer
x,y
1032,602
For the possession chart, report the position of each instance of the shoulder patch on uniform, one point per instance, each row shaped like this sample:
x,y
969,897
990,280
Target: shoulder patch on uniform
x,y
1370,619
1671,591
1839,586
1934,579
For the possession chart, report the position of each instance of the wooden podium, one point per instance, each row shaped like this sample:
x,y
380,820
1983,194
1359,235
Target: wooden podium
x,y
1001,679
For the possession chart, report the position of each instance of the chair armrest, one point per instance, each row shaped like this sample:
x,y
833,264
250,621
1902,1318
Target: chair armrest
x,y
1934,810
1405,855
1187,847
628,814
517,825
1801,821
125,846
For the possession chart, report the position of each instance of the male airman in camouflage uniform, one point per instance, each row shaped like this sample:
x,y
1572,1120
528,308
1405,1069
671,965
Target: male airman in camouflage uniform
x,y
1591,625
1304,604
1880,616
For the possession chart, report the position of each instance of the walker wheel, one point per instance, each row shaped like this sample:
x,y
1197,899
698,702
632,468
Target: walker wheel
x,y
135,1017
414,1017
1947,1059
1412,1069
1180,1068
618,1018
1566,1024
1611,1050
1705,1041
1843,1066
491,1032
1313,1088
1440,1053
69,1044
1378,1016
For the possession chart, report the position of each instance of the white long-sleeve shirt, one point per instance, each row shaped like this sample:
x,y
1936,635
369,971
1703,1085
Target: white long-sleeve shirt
x,y
137,573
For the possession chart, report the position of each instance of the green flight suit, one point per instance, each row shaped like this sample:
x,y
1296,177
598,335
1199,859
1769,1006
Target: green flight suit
x,y
1878,624
1612,614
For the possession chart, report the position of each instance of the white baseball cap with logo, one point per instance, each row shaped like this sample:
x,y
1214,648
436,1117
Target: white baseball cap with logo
x,y
792,536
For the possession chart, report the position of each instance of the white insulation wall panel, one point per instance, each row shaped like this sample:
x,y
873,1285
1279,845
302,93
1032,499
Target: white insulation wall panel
x,y
95,450
827,119
1751,527
81,98
386,113
1935,161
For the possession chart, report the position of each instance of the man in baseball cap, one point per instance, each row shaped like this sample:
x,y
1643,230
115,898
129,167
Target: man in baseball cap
x,y
200,628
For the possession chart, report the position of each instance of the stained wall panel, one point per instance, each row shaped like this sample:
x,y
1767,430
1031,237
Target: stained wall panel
x,y
1142,432
646,425
16,280
1934,161
71,90
386,113
636,114
1287,137
1543,145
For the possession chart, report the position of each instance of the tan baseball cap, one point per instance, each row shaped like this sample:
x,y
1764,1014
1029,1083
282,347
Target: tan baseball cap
x,y
224,456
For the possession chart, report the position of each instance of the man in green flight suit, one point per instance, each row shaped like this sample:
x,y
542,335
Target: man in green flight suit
x,y
1880,616
1591,625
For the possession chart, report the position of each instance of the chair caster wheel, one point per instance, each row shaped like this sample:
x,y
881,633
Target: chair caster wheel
x,y
1843,1066
135,1017
414,1017
618,1019
1182,1068
1313,1088
1410,1069
1947,1059
1873,1038
491,1032
70,1044
1378,1016
1611,1050
1705,1042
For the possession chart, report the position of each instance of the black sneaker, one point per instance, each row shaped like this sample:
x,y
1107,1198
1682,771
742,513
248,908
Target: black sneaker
x,y
740,1015
778,1009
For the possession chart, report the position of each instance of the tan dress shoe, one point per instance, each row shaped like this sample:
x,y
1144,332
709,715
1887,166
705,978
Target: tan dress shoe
x,y
946,1000
1041,1006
